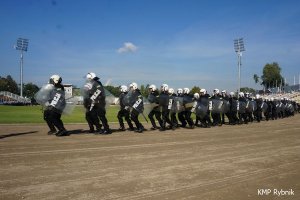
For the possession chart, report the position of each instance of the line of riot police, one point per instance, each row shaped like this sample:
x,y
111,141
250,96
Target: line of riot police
x,y
172,110
163,106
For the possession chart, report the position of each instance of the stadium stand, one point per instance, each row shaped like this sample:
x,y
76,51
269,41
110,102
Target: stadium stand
x,y
8,98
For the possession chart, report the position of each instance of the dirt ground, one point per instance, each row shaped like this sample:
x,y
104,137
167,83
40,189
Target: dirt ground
x,y
228,162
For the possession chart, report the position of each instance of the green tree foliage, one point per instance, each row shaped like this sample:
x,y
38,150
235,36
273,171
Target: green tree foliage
x,y
144,90
256,78
272,75
195,89
8,84
30,90
113,90
249,90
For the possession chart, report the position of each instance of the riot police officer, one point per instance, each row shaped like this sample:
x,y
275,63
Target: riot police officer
x,y
216,116
226,99
172,97
96,99
233,109
124,112
136,102
196,99
181,116
242,115
153,99
258,112
204,99
164,103
55,106
188,99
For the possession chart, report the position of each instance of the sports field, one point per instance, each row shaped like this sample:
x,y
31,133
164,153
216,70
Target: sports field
x,y
228,162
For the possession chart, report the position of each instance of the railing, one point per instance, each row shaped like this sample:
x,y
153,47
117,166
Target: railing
x,y
14,97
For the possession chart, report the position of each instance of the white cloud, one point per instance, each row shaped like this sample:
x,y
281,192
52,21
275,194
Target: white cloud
x,y
127,47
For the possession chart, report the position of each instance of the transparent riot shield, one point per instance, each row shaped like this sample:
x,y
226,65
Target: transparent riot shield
x,y
201,110
242,107
43,95
217,106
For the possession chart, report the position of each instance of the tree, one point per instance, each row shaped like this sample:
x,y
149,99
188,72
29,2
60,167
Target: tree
x,y
30,90
144,90
8,84
195,89
272,75
113,90
249,90
256,78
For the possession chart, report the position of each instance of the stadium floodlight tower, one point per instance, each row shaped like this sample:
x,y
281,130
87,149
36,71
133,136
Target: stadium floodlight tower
x,y
22,45
239,48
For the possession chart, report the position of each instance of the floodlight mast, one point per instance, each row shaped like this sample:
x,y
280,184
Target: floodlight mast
x,y
239,48
22,45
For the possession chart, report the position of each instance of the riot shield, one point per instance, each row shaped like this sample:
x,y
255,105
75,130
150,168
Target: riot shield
x,y
216,106
264,107
226,106
148,107
127,100
251,106
201,110
43,95
234,105
134,100
188,102
177,105
163,100
242,107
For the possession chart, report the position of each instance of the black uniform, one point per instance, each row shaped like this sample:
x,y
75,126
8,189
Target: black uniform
x,y
136,102
53,111
243,115
233,111
124,112
258,112
188,98
226,98
95,104
153,98
165,110
173,114
216,116
205,121
181,115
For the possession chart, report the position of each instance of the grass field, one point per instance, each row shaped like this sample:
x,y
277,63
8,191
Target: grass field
x,y
34,114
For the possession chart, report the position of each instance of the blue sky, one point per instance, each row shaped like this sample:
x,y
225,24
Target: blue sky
x,y
183,43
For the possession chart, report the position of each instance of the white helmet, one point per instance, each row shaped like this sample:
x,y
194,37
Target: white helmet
x,y
152,88
164,87
186,90
91,76
179,91
171,91
123,88
241,94
224,91
203,91
231,94
55,79
133,86
216,91
272,98
257,96
196,95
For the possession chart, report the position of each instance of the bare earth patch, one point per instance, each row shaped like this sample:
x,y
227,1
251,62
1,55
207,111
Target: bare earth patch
x,y
228,162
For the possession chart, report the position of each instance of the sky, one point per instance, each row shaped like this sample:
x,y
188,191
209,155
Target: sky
x,y
182,43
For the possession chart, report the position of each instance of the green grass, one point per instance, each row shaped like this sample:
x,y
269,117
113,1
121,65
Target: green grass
x,y
34,114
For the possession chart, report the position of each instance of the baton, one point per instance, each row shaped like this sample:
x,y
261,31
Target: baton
x,y
144,117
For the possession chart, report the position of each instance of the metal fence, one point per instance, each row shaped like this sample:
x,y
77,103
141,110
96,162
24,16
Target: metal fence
x,y
8,97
